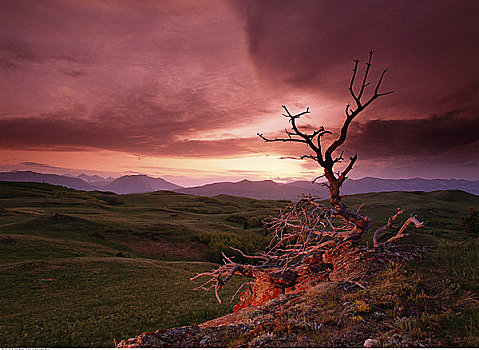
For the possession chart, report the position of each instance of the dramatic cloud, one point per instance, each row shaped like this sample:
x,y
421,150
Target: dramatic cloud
x,y
430,46
197,80
70,135
416,137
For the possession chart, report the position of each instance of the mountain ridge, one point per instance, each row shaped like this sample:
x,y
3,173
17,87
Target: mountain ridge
x,y
126,184
293,190
264,189
53,179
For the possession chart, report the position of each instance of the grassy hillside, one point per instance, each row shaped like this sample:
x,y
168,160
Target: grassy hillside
x,y
431,303
440,211
162,224
93,301
84,268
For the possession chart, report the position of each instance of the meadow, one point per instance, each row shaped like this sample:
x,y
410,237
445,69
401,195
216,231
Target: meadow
x,y
87,269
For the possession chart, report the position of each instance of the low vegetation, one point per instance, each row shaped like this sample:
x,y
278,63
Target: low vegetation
x,y
430,303
222,242
470,223
83,269
95,301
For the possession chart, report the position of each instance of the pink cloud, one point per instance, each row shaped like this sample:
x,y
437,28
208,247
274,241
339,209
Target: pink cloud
x,y
186,79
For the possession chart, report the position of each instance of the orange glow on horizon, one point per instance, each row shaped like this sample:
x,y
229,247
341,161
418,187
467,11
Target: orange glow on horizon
x,y
183,171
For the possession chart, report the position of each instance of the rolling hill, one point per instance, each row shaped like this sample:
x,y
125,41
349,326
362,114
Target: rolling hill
x,y
100,267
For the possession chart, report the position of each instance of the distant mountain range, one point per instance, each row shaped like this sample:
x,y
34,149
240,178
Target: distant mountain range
x,y
253,189
122,185
258,189
61,180
272,190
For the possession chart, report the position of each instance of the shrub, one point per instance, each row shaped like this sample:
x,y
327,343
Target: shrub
x,y
470,223
221,242
110,199
237,218
247,220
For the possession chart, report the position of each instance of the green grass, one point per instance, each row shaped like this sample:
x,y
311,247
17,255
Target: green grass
x,y
440,211
56,212
19,248
432,303
79,269
89,302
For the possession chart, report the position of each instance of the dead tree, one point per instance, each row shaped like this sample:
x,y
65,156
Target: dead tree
x,y
309,237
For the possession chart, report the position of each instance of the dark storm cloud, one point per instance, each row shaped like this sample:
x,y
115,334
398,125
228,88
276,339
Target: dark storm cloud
x,y
193,78
431,49
441,145
450,135
416,138
430,46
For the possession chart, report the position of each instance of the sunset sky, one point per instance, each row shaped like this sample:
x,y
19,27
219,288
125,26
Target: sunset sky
x,y
178,89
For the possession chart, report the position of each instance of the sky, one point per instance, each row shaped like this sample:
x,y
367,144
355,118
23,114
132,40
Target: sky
x,y
179,89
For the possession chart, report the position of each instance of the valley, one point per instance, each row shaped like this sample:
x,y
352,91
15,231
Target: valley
x,y
89,268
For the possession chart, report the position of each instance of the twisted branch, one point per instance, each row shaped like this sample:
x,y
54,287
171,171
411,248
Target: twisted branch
x,y
400,233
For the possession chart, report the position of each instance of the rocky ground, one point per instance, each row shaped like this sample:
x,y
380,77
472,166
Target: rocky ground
x,y
291,320
390,304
